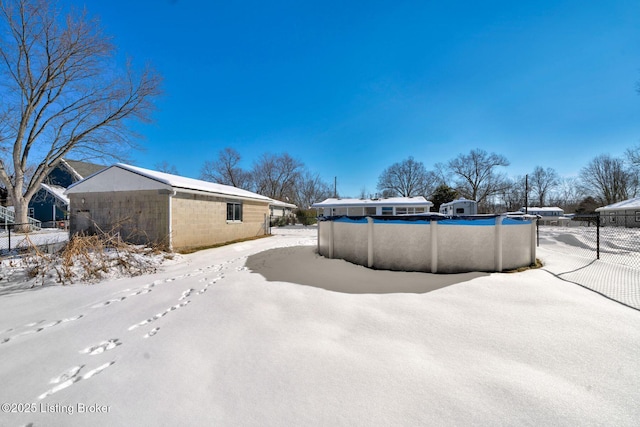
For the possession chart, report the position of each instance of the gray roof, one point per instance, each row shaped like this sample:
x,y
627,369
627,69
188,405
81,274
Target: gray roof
x,y
176,182
623,205
82,169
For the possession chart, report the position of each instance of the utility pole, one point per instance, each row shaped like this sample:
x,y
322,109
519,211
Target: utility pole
x,y
526,194
335,187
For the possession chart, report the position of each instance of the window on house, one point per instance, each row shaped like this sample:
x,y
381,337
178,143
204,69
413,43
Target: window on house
x,y
419,210
387,210
459,210
401,211
369,210
234,211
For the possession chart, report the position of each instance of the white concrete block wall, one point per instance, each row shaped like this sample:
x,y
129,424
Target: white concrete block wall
x,y
405,247
465,248
350,242
517,247
325,230
411,246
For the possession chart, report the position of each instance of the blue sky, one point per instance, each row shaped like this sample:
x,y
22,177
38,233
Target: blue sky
x,y
351,87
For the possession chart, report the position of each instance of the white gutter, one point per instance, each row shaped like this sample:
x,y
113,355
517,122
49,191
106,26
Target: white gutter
x,y
171,194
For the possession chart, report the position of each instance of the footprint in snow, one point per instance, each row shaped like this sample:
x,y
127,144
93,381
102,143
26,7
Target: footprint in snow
x,y
159,315
41,328
102,347
72,376
151,285
109,302
140,292
29,325
66,375
194,273
186,294
151,332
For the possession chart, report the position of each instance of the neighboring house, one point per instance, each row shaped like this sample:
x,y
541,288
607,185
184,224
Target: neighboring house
x,y
4,196
49,205
621,214
279,209
548,215
373,207
459,207
146,206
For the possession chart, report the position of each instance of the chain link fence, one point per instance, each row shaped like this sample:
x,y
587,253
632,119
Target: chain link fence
x,y
598,254
595,237
22,237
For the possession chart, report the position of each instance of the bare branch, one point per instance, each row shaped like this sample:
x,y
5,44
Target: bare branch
x,y
60,93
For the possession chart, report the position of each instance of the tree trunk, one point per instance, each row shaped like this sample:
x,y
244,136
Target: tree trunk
x,y
21,207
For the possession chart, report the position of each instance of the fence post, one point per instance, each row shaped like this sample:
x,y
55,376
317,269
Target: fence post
x,y
598,236
498,243
370,242
9,239
535,239
434,245
331,239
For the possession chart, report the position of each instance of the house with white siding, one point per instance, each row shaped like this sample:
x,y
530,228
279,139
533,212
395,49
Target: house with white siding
x,y
621,214
373,207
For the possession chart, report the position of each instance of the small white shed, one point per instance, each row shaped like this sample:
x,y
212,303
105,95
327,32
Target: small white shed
x,y
459,207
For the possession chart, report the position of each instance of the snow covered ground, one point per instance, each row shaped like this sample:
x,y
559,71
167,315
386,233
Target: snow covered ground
x,y
46,236
206,341
572,256
617,244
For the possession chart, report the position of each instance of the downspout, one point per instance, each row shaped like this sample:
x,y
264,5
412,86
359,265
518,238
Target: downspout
x,y
171,194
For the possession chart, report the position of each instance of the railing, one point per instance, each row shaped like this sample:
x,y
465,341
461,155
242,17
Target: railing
x,y
7,216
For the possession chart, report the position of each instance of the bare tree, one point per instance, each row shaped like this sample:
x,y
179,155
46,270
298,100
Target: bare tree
x,y
608,179
310,189
166,167
408,178
276,176
60,93
541,182
567,194
513,194
364,194
226,170
633,155
476,175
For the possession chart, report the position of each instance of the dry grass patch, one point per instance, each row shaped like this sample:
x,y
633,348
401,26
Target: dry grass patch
x,y
91,258
537,264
